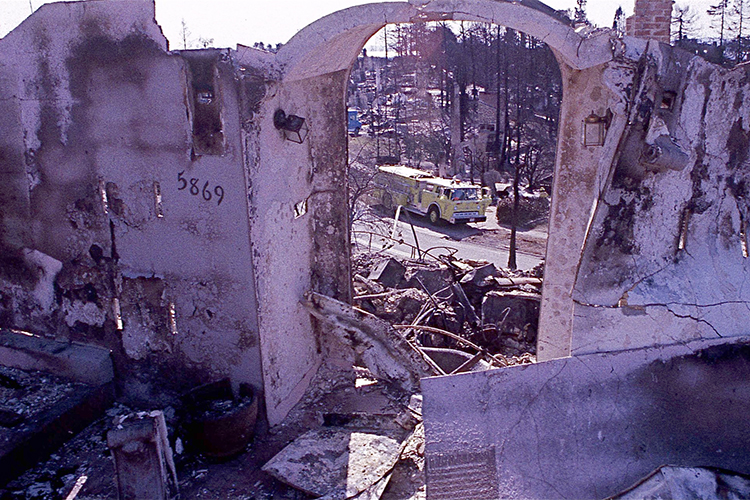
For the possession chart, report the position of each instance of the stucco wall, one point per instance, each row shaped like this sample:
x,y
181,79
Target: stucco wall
x,y
658,330
580,177
97,135
587,427
664,261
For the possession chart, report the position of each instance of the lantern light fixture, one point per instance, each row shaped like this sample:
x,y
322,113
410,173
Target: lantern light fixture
x,y
595,128
293,126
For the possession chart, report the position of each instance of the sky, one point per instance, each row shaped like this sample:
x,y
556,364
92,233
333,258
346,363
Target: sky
x,y
228,22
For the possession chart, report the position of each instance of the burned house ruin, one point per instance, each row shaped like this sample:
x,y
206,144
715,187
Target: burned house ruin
x,y
150,206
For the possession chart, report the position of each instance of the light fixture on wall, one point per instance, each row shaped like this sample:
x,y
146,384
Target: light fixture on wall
x,y
595,128
293,126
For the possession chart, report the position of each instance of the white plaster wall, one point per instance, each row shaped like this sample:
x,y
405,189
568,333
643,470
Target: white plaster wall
x,y
124,124
282,249
658,293
580,177
280,174
200,247
49,31
588,427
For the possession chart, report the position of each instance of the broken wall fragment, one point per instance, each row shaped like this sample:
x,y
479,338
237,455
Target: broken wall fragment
x,y
664,258
337,463
143,457
382,350
124,236
587,426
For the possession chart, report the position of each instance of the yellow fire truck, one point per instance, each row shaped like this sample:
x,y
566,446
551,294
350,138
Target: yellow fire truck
x,y
437,198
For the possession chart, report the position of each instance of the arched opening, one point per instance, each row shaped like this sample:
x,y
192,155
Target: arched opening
x,y
316,64
452,135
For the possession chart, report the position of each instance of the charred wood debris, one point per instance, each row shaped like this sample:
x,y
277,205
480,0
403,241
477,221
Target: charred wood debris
x,y
470,306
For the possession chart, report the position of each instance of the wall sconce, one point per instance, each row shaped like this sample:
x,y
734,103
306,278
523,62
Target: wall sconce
x,y
293,126
595,128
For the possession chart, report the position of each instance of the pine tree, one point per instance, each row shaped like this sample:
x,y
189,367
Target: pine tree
x,y
580,12
739,16
683,23
720,13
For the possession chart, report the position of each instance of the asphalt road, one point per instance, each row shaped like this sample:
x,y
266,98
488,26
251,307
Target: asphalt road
x,y
442,239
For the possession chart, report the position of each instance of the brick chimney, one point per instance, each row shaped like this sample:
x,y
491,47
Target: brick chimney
x,y
652,19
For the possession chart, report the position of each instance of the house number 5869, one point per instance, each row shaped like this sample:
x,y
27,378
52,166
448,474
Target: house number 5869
x,y
193,185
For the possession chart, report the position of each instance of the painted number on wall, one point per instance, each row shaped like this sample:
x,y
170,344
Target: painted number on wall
x,y
193,185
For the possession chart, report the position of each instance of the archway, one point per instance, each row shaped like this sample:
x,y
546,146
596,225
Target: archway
x,y
315,65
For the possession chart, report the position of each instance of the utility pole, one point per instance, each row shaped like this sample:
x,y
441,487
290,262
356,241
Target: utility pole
x,y
497,96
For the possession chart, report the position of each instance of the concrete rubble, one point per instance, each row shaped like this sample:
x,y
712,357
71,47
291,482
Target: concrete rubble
x,y
382,350
687,483
494,308
337,463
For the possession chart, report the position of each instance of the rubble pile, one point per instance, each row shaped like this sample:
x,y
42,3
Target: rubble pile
x,y
360,439
351,436
24,394
356,434
84,458
495,309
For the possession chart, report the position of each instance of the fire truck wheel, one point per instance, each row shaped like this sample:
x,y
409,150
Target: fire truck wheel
x,y
434,215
